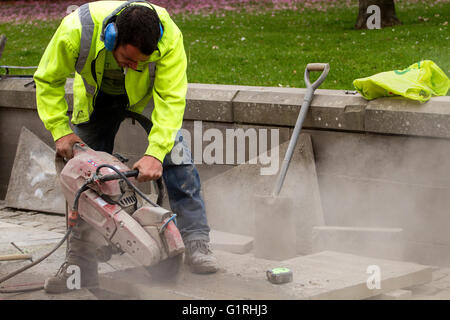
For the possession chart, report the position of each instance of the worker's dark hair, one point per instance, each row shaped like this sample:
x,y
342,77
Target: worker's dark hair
x,y
139,26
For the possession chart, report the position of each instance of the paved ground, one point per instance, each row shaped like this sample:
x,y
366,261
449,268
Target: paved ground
x,y
438,288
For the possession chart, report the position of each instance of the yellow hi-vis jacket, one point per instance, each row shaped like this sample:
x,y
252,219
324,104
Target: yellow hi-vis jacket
x,y
76,47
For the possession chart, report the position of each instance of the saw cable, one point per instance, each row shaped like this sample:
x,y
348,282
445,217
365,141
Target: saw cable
x,y
14,273
83,188
123,177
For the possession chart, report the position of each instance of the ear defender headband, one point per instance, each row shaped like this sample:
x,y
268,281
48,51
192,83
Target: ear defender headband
x,y
109,33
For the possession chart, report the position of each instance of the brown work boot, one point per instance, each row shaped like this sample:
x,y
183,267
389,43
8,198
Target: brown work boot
x,y
199,257
81,253
64,280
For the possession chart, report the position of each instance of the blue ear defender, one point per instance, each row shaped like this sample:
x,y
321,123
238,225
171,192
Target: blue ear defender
x,y
110,36
161,31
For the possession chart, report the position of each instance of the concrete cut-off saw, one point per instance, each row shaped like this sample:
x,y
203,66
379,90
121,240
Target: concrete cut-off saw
x,y
102,192
99,187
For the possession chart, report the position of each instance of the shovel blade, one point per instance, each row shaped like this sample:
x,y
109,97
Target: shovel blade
x,y
275,236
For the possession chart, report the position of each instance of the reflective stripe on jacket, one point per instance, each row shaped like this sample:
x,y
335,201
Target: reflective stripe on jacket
x,y
167,86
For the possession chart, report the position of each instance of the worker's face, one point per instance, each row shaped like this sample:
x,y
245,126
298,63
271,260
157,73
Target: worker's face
x,y
129,56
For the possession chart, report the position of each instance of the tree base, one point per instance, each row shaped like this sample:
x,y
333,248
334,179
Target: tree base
x,y
387,10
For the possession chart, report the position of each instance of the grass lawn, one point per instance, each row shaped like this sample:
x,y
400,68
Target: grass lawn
x,y
272,48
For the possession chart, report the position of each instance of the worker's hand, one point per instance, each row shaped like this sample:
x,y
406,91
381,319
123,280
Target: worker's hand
x,y
64,145
149,168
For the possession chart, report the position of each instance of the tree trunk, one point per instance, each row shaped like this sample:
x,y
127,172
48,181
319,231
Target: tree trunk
x,y
2,43
387,10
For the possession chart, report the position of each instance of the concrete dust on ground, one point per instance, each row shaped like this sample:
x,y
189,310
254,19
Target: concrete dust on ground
x,y
240,276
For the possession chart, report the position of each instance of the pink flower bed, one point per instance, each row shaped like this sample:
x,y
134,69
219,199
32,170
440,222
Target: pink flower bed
x,y
19,11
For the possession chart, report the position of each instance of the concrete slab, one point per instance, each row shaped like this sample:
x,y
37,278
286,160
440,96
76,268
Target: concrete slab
x,y
82,294
369,180
37,243
396,295
407,117
25,236
387,243
428,253
275,227
230,242
33,184
334,110
210,104
229,196
326,275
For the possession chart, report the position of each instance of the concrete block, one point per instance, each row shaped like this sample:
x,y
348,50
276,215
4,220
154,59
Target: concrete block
x,y
11,121
334,110
230,242
369,180
82,294
360,202
32,224
25,236
275,227
399,294
353,269
14,94
415,161
260,107
229,196
387,243
209,104
407,117
442,295
34,183
427,253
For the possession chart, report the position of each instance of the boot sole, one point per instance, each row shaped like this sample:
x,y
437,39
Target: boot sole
x,y
202,269
57,289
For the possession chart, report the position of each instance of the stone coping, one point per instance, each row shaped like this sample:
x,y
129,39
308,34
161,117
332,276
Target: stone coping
x,y
273,106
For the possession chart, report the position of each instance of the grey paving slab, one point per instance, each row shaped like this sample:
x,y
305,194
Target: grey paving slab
x,y
328,110
209,104
230,242
407,117
25,236
14,94
34,183
325,275
387,243
398,294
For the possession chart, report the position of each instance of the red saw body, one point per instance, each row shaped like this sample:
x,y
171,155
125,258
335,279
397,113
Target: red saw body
x,y
144,231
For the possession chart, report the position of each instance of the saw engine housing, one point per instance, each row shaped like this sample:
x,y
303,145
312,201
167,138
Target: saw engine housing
x,y
146,232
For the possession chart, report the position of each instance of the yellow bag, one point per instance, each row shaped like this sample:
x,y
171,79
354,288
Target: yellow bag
x,y
418,82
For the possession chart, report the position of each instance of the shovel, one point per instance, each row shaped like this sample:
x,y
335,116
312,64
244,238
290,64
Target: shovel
x,y
275,232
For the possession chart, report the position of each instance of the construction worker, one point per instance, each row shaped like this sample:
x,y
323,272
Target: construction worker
x,y
123,53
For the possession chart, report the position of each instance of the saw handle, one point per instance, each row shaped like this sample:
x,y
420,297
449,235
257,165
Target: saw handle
x,y
115,176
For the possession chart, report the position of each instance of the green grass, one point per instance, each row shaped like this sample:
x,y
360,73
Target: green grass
x,y
268,49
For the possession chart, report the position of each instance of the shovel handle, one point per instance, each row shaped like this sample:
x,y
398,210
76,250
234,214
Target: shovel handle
x,y
12,257
324,67
316,66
